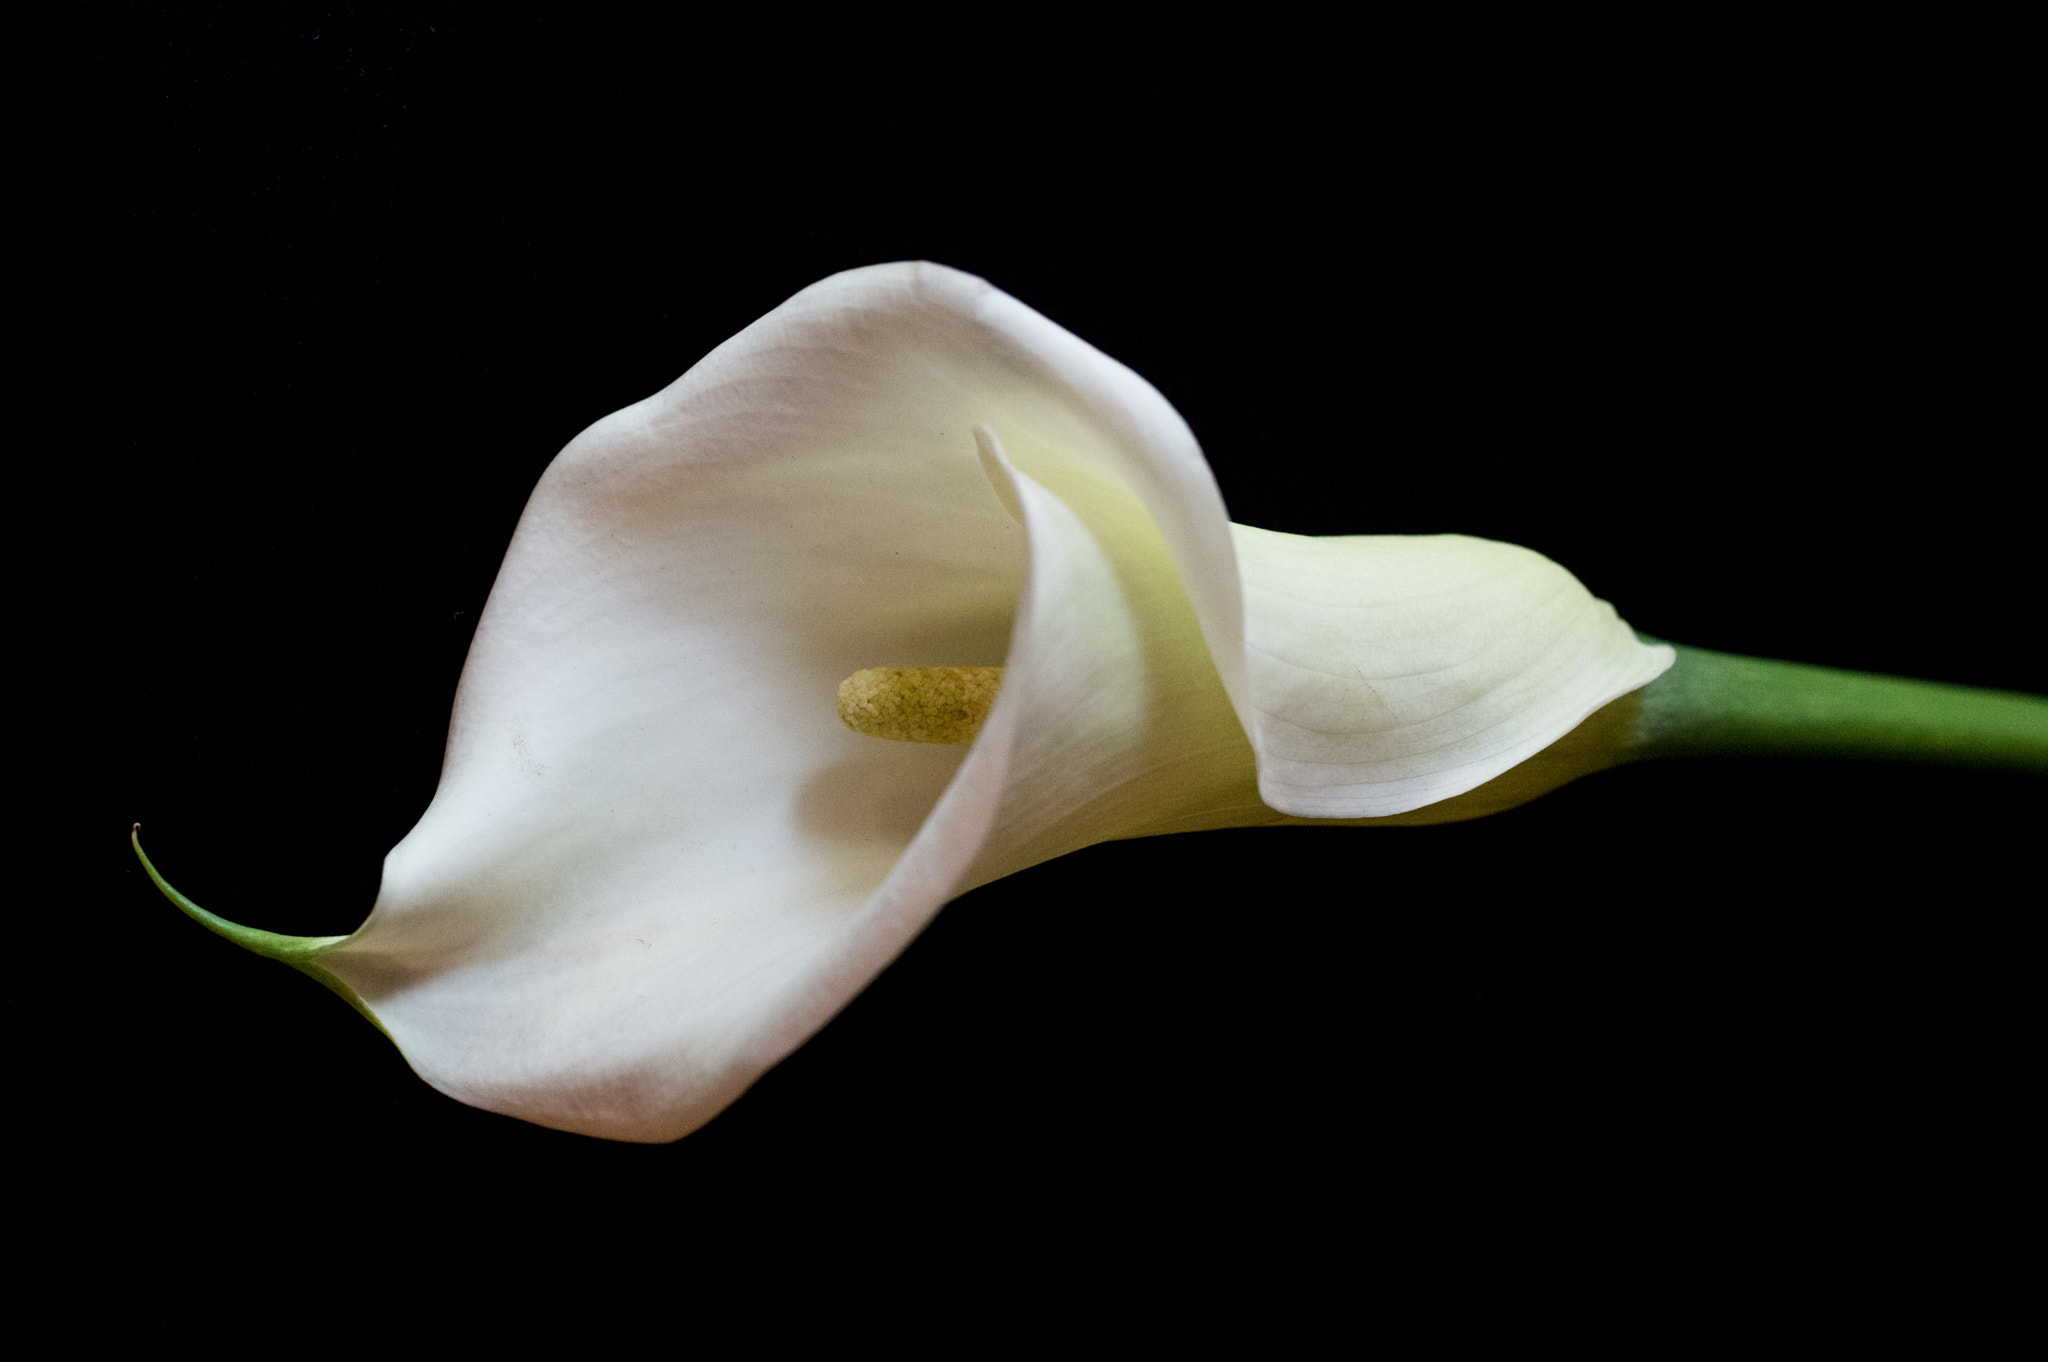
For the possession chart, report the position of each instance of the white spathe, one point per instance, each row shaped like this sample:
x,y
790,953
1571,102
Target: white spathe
x,y
657,861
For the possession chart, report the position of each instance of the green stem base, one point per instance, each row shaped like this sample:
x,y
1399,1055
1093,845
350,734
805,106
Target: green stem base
x,y
1713,703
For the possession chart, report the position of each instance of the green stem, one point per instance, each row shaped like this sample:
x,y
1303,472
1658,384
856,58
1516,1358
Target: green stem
x,y
1713,703
300,952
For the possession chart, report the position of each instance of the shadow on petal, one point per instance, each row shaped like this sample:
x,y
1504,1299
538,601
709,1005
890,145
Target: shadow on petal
x,y
880,799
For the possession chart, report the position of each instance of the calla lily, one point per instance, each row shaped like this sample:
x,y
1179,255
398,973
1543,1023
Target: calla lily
x,y
658,861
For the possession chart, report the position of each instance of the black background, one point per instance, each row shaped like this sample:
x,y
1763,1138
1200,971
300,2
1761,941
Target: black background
x,y
1718,310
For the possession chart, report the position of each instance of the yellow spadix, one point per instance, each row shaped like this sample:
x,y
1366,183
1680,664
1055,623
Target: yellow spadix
x,y
919,704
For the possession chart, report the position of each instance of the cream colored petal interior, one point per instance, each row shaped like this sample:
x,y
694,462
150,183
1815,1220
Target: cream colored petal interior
x,y
1123,728
1390,672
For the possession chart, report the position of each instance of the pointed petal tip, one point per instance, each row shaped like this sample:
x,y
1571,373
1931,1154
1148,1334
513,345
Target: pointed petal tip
x,y
300,952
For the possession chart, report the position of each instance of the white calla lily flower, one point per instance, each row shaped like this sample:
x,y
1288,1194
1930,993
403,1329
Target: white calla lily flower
x,y
658,861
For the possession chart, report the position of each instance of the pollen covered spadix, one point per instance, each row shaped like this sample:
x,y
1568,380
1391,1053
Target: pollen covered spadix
x,y
919,704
